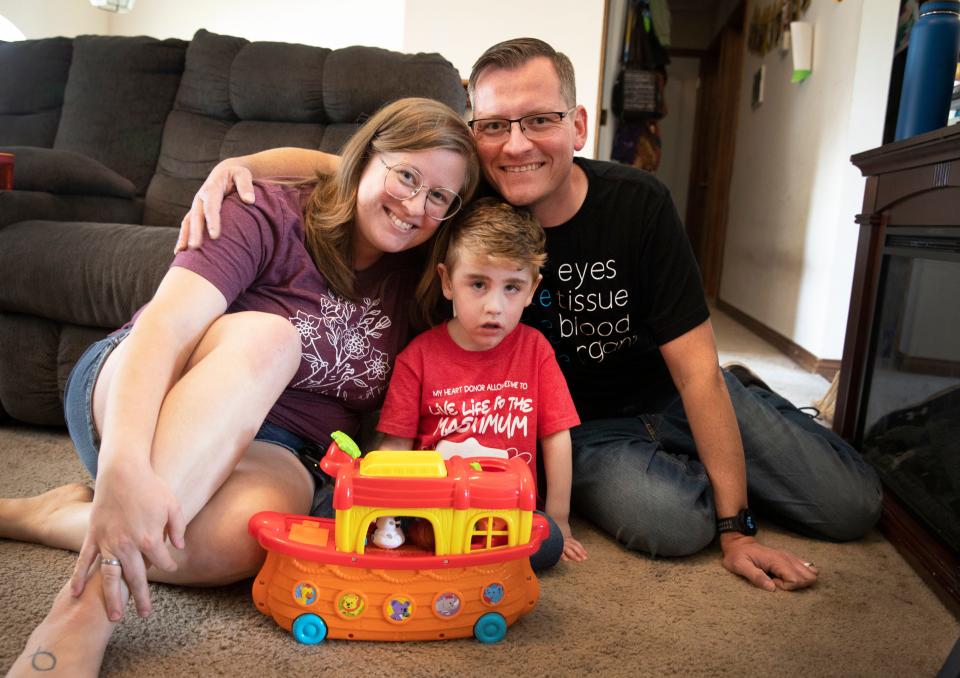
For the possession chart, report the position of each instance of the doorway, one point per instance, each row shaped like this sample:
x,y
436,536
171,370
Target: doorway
x,y
714,142
698,134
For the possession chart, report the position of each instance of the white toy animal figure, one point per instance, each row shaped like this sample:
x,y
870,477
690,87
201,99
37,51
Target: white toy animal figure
x,y
388,534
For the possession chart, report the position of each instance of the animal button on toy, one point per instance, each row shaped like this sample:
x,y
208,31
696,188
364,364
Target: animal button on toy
x,y
492,594
305,593
350,605
447,604
398,608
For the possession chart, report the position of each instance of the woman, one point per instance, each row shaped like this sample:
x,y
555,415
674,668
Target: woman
x,y
290,320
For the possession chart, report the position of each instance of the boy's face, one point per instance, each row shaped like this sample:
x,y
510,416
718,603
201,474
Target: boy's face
x,y
488,297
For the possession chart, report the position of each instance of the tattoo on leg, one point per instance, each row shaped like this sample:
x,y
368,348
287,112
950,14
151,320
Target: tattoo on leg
x,y
42,660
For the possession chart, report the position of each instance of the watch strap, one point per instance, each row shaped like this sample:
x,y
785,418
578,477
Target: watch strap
x,y
727,524
743,523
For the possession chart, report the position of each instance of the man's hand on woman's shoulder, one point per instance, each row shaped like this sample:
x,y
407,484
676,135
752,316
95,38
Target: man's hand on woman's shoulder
x,y
204,216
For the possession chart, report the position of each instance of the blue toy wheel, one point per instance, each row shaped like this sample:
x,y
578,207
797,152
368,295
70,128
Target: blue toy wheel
x,y
309,629
490,628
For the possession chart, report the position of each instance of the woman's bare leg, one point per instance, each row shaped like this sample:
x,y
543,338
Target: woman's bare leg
x,y
202,440
208,416
57,518
72,638
205,423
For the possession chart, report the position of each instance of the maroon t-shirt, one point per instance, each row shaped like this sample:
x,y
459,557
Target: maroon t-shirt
x,y
260,263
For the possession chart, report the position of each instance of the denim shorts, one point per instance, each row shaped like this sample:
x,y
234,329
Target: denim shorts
x,y
78,412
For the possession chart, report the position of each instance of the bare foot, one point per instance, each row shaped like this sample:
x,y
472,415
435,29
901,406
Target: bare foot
x,y
72,638
54,518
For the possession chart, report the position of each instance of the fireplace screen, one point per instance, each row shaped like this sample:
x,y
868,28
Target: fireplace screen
x,y
910,429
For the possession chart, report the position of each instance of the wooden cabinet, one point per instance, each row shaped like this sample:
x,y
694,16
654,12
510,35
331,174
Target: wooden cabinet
x,y
909,226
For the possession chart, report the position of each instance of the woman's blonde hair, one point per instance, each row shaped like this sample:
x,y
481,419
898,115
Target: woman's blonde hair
x,y
488,228
411,124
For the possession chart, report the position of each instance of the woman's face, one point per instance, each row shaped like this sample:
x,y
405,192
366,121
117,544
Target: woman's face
x,y
387,224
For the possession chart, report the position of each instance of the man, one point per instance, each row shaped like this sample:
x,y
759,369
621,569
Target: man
x,y
659,461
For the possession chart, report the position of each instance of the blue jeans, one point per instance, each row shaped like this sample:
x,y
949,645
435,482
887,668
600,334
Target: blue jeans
x,y
78,413
639,478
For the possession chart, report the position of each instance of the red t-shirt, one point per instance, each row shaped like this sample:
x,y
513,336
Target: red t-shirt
x,y
506,398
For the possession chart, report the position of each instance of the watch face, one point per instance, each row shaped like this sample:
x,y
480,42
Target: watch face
x,y
748,523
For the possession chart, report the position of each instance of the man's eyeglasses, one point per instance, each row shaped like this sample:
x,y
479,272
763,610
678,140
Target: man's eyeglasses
x,y
534,126
404,182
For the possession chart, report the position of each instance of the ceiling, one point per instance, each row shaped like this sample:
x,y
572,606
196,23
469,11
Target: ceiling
x,y
693,6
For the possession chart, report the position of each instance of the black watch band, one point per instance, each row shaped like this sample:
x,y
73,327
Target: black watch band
x,y
743,523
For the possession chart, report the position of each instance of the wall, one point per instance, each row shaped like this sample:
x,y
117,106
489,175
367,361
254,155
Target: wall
x,y
461,31
47,18
331,23
791,240
677,128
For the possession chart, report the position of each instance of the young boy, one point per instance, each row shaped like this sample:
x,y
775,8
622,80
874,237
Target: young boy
x,y
482,380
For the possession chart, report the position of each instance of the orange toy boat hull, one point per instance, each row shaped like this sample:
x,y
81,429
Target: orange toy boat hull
x,y
315,591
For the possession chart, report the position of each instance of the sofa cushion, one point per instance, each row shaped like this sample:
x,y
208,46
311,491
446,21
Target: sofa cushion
x,y
280,95
90,274
279,81
35,363
348,73
33,77
205,86
65,173
118,95
190,149
26,205
251,136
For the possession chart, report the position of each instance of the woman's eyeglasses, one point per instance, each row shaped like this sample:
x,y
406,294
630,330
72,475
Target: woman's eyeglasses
x,y
404,182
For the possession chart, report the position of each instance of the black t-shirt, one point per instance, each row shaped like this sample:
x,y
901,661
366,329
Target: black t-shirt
x,y
620,281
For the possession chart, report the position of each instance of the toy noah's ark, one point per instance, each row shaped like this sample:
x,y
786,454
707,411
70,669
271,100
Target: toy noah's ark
x,y
326,578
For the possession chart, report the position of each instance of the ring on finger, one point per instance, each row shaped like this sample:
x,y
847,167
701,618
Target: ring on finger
x,y
110,561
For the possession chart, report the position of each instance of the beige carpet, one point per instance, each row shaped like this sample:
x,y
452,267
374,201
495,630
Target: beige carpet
x,y
619,614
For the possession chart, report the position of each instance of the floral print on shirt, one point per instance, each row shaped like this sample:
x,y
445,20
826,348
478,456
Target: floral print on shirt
x,y
339,350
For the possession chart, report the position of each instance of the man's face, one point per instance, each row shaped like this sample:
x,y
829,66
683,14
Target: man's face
x,y
528,173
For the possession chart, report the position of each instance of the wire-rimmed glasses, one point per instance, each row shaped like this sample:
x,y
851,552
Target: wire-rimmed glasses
x,y
534,126
404,181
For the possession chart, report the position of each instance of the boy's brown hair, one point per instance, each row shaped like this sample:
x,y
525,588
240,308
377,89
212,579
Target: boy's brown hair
x,y
486,228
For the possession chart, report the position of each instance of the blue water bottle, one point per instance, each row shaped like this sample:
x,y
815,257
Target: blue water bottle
x,y
931,64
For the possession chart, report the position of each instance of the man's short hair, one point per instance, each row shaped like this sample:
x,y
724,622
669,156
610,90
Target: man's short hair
x,y
517,52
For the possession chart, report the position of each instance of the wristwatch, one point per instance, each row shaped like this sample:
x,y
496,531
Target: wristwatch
x,y
743,523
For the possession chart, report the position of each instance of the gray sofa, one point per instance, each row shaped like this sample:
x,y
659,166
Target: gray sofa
x,y
113,136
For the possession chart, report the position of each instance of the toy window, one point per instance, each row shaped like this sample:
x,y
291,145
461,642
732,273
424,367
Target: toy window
x,y
489,532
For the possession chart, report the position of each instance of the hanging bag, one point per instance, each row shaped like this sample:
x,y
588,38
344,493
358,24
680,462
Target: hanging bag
x,y
638,91
640,94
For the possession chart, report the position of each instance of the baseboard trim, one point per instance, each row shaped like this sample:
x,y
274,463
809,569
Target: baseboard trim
x,y
808,361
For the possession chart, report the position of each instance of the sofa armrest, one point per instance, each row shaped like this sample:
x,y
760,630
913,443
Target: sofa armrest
x,y
90,274
65,173
40,205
